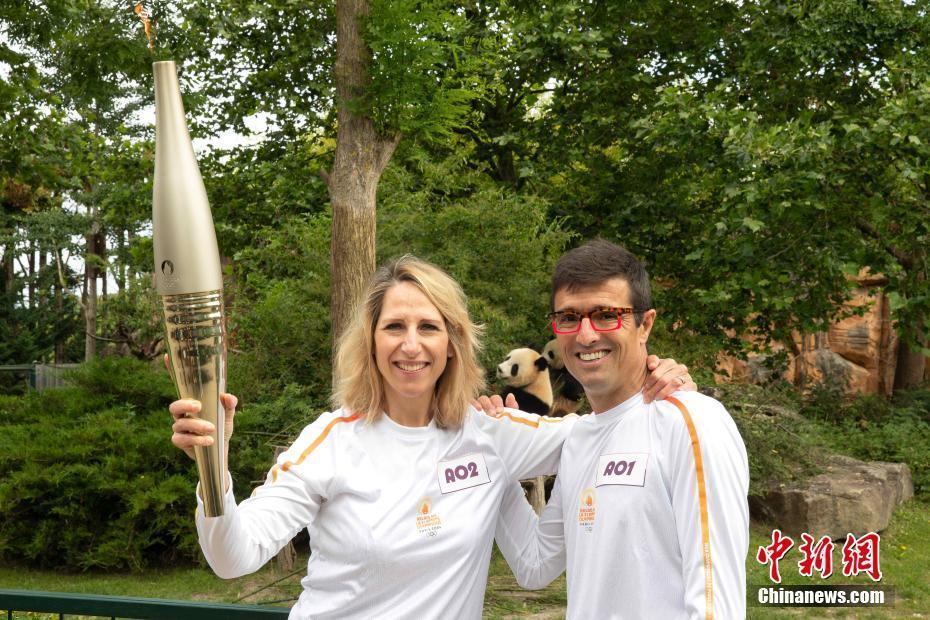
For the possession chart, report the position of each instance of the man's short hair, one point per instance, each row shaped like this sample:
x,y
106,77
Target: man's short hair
x,y
598,261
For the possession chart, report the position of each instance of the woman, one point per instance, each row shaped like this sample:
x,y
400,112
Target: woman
x,y
400,486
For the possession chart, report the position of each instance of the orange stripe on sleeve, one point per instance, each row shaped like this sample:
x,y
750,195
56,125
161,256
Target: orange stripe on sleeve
x,y
316,442
531,423
702,500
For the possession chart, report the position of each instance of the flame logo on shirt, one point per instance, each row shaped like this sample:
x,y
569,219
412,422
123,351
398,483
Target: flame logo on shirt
x,y
428,524
586,510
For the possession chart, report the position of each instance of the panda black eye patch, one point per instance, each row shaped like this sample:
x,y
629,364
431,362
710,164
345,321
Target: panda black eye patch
x,y
514,370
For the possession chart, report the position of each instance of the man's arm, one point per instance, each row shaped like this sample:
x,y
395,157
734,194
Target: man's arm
x,y
534,547
709,480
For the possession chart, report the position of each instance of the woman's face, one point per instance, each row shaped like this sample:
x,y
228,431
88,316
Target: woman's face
x,y
411,348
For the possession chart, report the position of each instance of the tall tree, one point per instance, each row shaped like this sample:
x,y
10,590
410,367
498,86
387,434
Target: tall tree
x,y
389,68
772,156
88,62
362,152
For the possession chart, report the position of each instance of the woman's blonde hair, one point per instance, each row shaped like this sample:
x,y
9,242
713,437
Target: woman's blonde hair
x,y
359,386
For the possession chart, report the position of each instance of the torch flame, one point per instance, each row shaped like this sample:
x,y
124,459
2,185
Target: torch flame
x,y
145,16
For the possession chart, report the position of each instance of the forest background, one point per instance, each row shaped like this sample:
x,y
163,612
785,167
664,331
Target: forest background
x,y
755,154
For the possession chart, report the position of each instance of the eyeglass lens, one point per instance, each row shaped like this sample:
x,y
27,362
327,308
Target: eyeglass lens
x,y
603,320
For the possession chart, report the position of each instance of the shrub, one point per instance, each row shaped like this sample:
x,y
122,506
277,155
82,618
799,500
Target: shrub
x,y
89,478
876,429
780,444
88,487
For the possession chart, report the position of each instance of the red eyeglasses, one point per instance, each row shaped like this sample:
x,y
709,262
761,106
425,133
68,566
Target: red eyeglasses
x,y
602,319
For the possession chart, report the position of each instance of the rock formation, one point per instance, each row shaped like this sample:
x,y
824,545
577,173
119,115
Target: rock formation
x,y
850,496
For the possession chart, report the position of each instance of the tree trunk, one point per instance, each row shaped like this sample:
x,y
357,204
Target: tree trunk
x,y
361,156
909,372
121,262
32,274
59,288
43,292
8,271
91,273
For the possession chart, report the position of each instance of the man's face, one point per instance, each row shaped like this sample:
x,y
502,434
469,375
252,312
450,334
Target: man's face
x,y
610,365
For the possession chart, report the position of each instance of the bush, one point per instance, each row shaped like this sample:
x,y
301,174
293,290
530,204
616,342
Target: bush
x,y
780,444
88,477
876,429
262,426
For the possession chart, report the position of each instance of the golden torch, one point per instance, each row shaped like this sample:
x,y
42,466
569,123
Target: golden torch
x,y
188,278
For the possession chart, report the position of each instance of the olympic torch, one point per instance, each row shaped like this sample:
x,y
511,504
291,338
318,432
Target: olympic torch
x,y
188,278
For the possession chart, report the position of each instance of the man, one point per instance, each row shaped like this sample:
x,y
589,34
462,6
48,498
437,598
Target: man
x,y
649,512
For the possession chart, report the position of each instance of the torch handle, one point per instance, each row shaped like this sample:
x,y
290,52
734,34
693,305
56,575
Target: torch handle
x,y
196,337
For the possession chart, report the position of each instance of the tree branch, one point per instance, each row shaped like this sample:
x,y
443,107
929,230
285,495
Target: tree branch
x,y
325,176
903,258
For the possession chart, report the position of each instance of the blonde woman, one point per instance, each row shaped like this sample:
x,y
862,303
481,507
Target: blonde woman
x,y
401,484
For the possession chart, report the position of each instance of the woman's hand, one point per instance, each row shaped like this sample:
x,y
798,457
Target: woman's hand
x,y
494,405
665,376
190,431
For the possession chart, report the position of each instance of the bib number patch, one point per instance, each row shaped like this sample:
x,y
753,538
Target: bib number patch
x,y
625,468
463,472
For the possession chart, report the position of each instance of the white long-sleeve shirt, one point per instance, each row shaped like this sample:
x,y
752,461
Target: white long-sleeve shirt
x,y
625,516
400,519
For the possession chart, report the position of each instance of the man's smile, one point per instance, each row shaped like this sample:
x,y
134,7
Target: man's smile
x,y
592,356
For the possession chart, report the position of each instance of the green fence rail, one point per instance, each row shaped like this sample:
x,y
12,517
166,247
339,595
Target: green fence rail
x,y
62,603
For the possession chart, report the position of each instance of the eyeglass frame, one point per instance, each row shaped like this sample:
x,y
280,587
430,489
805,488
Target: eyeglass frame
x,y
552,316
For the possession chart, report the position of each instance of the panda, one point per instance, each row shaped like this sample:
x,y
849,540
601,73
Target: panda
x,y
526,374
566,388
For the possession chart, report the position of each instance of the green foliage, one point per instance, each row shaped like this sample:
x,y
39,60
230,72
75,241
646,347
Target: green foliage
x,y
88,478
698,352
498,244
423,68
781,445
875,429
253,188
133,319
279,319
262,426
122,381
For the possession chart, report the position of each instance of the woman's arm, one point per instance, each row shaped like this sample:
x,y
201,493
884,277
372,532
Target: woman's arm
x,y
248,535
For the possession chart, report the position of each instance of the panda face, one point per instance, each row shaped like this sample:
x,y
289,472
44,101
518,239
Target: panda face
x,y
521,367
553,354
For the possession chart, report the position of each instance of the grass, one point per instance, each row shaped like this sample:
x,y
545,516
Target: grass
x,y
186,584
905,547
505,599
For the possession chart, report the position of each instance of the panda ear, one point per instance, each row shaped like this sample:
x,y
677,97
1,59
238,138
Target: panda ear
x,y
541,363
